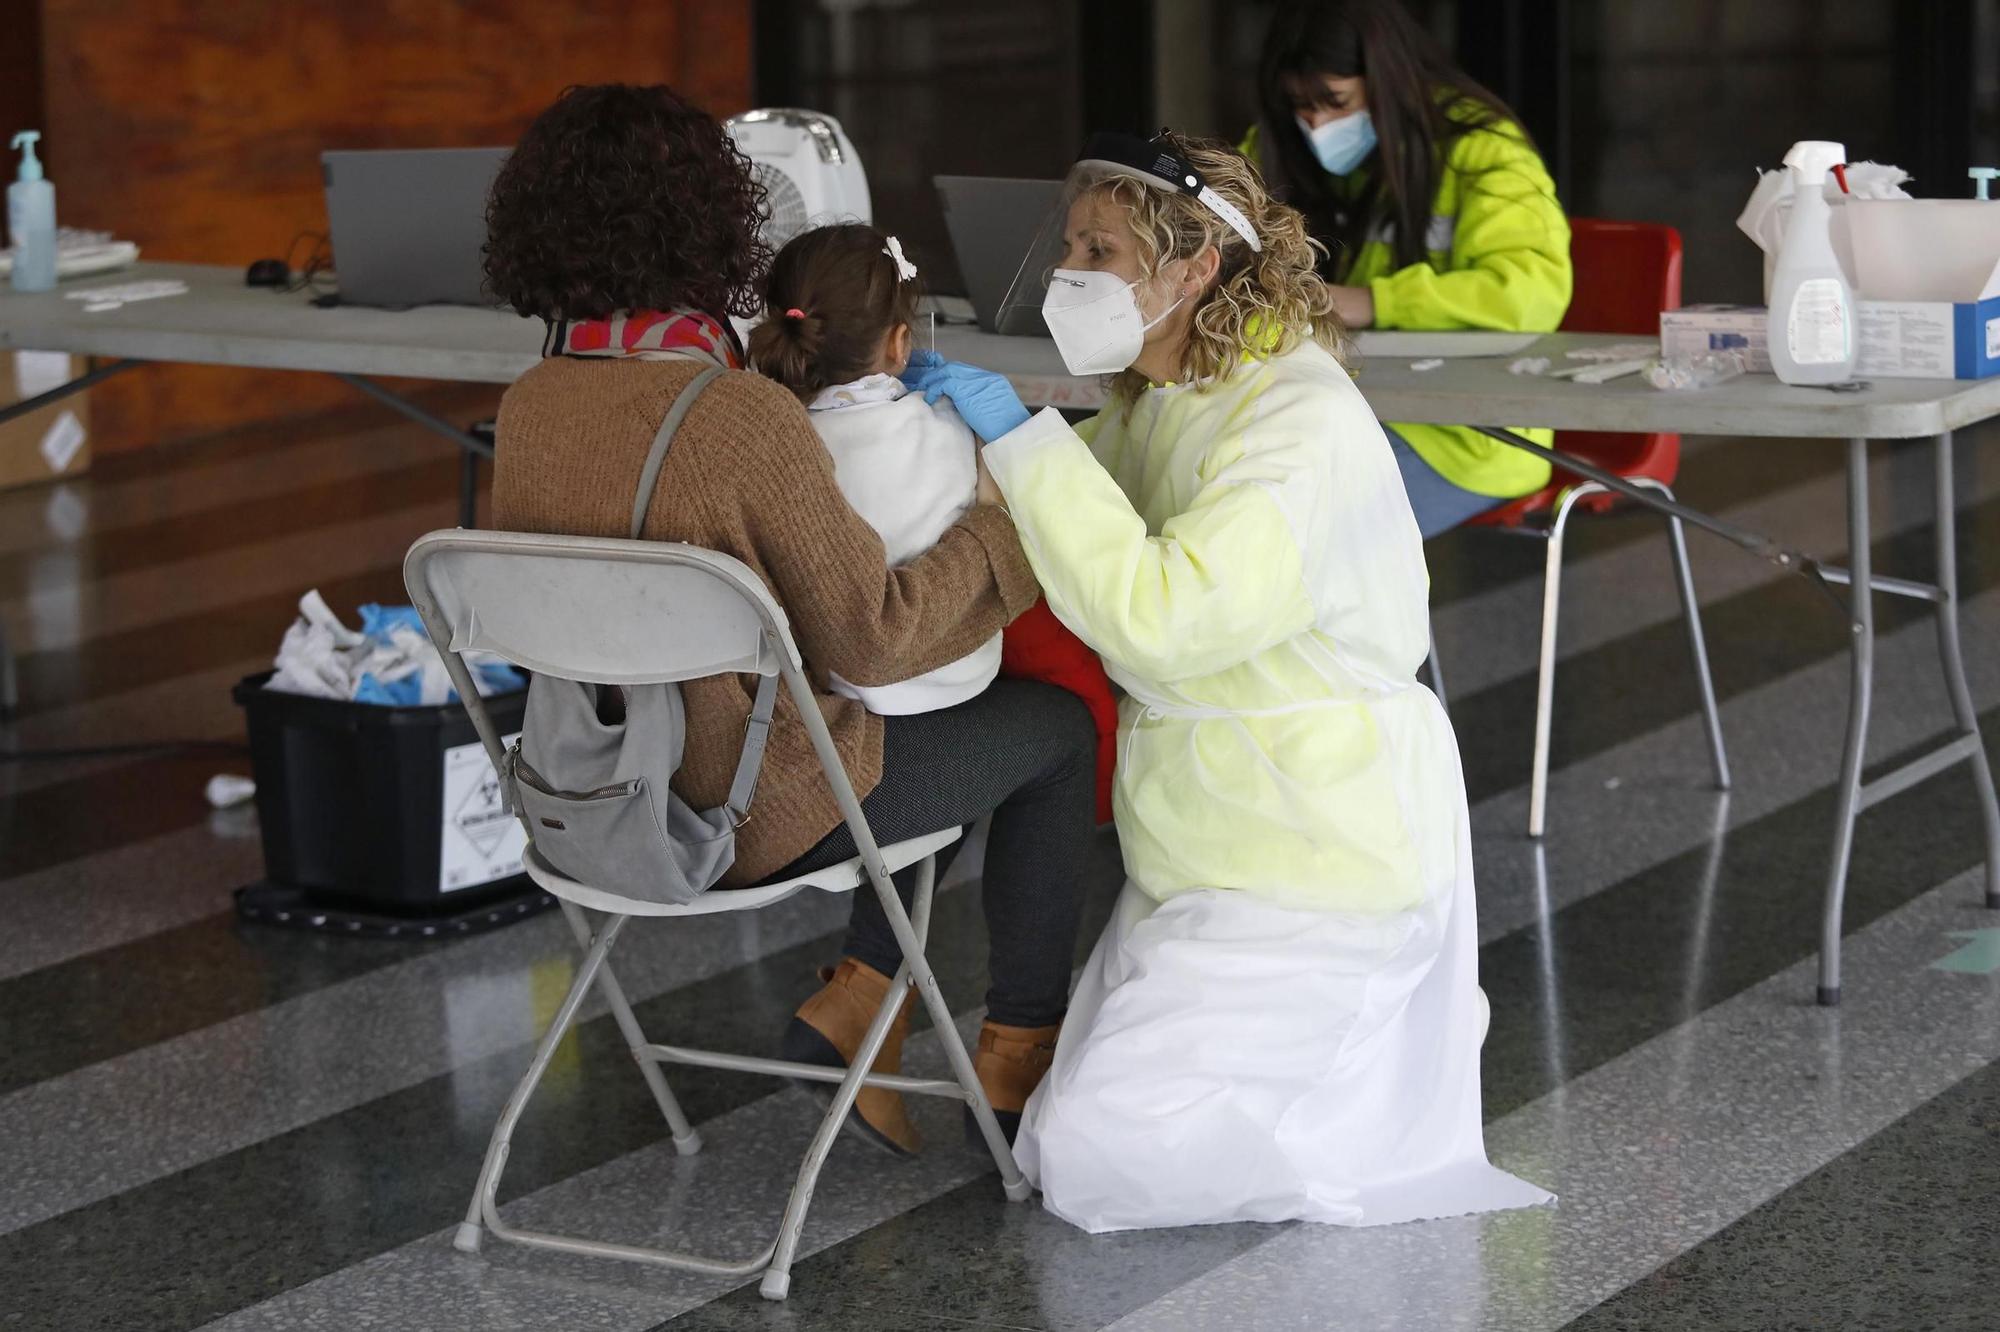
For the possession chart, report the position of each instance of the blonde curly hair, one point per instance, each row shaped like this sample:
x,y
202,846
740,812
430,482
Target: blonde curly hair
x,y
1262,304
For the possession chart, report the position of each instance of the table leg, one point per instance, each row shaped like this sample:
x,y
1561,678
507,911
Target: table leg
x,y
1954,661
474,447
468,489
1861,647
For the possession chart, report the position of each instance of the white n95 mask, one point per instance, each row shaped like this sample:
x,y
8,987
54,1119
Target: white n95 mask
x,y
1095,320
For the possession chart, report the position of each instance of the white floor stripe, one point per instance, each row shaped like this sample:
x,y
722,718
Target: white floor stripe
x,y
116,896
724,1201
274,1069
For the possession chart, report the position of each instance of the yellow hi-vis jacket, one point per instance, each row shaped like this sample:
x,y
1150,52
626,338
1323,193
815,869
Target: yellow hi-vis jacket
x,y
1244,558
1498,258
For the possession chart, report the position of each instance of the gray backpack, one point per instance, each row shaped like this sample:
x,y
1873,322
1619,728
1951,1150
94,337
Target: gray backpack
x,y
593,783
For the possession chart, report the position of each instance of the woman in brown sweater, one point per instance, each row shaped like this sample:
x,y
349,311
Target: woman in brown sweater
x,y
627,221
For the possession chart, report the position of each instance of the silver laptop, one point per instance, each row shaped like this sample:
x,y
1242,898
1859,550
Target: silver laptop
x,y
407,225
993,220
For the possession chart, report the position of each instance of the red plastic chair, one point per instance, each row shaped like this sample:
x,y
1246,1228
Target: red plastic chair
x,y
1626,274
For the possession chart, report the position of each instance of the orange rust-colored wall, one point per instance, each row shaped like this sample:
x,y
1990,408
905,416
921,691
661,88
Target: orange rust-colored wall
x,y
194,127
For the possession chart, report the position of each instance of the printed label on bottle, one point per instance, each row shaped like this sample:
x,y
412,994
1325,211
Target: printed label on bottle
x,y
1817,330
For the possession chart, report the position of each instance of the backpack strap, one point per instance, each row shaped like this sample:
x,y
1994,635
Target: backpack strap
x,y
750,766
663,438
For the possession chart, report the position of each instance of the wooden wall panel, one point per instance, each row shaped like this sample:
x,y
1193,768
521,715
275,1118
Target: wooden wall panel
x,y
20,71
194,127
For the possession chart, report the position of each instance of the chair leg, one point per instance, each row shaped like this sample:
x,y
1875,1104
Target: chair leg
x,y
1545,679
485,1208
1697,641
960,1059
777,1280
1435,670
686,1140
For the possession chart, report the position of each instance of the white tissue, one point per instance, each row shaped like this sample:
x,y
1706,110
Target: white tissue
x,y
98,299
1764,216
322,658
1428,363
226,789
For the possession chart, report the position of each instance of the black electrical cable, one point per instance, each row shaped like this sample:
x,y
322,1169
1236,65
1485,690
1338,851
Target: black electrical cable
x,y
220,748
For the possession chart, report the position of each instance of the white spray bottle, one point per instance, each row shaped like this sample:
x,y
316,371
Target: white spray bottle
x,y
1812,329
31,220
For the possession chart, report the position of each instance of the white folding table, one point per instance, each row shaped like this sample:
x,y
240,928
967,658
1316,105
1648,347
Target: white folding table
x,y
221,321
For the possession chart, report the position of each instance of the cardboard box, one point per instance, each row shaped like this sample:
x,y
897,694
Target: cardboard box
x,y
52,441
1899,339
1929,339
1927,277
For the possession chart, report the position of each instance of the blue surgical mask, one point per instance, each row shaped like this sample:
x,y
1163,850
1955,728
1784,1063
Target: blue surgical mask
x,y
1341,145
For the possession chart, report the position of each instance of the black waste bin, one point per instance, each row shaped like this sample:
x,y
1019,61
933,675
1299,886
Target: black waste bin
x,y
381,819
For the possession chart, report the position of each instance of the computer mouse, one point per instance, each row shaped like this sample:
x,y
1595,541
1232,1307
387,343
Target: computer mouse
x,y
268,273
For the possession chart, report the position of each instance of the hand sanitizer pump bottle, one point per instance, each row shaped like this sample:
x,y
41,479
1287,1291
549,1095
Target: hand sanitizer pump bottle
x,y
1812,330
31,221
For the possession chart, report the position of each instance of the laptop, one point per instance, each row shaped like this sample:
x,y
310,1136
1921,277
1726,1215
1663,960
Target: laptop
x,y
407,225
992,221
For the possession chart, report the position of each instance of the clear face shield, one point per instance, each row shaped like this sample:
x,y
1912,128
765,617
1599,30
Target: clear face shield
x,y
1082,280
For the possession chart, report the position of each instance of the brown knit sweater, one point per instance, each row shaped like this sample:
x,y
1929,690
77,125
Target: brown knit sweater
x,y
747,476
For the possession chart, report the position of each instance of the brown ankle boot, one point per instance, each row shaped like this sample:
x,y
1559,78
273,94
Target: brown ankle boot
x,y
1010,1062
828,1031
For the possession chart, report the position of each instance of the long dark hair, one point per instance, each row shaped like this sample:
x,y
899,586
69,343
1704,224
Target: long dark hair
x,y
1419,98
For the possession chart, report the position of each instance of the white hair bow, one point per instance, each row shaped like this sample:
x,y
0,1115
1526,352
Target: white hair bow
x,y
905,270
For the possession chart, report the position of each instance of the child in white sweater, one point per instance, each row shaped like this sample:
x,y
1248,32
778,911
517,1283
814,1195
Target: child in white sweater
x,y
840,304
842,301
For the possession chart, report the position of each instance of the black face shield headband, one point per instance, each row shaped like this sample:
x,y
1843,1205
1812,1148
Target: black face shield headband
x,y
1157,163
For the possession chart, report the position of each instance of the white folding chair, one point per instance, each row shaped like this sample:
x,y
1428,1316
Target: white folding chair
x,y
619,612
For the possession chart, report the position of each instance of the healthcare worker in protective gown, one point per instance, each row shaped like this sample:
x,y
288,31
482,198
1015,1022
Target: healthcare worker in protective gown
x,y
1283,1018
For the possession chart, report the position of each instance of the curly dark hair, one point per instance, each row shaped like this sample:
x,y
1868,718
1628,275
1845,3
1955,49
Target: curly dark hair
x,y
622,197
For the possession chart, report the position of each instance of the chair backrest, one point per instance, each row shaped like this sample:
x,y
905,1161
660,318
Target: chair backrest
x,y
593,609
1625,274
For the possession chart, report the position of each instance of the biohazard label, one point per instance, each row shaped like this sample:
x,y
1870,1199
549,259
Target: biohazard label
x,y
481,841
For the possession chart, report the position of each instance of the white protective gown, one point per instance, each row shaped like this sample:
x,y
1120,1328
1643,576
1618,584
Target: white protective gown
x,y
1283,1019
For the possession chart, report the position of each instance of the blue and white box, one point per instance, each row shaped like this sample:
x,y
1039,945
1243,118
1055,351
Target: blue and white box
x,y
1927,280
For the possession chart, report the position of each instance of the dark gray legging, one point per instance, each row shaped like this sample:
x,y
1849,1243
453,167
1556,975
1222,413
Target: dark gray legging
x,y
1025,753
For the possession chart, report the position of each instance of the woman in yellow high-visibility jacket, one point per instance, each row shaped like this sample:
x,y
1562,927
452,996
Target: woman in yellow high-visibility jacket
x,y
1435,208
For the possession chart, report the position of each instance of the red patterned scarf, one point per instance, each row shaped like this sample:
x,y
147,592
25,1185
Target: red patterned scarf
x,y
647,335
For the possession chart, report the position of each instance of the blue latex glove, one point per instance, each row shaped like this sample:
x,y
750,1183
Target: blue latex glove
x,y
984,398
